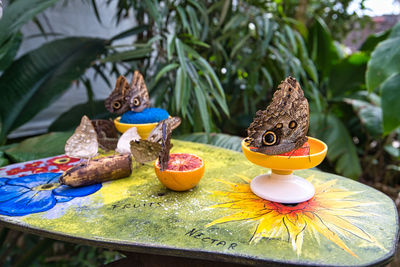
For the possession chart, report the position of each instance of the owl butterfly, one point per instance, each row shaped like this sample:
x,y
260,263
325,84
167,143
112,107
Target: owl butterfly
x,y
83,143
283,126
107,135
157,143
166,146
127,96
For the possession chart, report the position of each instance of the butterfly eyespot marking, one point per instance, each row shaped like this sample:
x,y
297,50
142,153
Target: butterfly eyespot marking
x,y
136,102
269,138
292,124
279,126
116,105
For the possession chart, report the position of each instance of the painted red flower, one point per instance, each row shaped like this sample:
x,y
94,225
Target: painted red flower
x,y
14,171
61,161
40,170
33,165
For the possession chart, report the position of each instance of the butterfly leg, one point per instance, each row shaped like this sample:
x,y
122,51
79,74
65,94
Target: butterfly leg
x,y
299,143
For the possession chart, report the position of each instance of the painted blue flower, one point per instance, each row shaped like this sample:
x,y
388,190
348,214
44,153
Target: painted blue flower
x,y
37,192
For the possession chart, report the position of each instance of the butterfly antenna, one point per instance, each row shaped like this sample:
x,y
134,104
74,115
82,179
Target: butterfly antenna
x,y
292,152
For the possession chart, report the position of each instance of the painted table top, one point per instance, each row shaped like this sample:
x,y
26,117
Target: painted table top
x,y
345,224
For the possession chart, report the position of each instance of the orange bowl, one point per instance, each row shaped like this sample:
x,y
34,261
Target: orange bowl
x,y
180,180
317,154
143,129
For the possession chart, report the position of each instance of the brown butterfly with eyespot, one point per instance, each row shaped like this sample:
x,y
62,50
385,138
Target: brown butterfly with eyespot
x,y
147,150
107,135
127,96
283,126
157,143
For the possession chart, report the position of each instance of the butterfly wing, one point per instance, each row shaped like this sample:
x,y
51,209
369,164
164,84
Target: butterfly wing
x,y
138,97
83,143
107,135
123,145
144,151
118,101
283,126
156,134
166,146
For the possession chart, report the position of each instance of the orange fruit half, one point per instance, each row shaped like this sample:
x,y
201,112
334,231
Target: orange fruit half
x,y
184,171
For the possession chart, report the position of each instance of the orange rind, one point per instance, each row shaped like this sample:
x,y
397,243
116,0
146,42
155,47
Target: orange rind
x,y
180,180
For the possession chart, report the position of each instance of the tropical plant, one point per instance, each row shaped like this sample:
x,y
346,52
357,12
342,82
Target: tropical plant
x,y
350,119
212,63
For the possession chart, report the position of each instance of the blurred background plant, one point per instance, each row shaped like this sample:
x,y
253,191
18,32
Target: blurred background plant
x,y
215,63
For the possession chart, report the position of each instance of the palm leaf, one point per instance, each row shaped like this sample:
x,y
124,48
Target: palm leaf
x,y
19,13
36,79
70,119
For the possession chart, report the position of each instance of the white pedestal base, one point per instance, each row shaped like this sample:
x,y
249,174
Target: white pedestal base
x,y
286,189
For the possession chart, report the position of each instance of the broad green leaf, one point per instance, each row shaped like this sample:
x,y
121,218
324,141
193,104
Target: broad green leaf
x,y
373,40
221,95
153,11
165,69
341,148
393,151
225,9
70,119
292,40
18,13
235,22
395,32
9,50
243,41
384,63
348,75
323,50
311,69
170,45
204,17
184,20
3,160
179,88
187,90
194,22
201,102
216,139
36,79
128,55
369,115
181,53
390,94
130,32
42,146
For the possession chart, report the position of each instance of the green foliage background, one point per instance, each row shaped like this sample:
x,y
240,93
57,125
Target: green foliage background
x,y
215,63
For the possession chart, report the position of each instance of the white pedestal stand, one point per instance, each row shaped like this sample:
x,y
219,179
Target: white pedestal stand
x,y
282,188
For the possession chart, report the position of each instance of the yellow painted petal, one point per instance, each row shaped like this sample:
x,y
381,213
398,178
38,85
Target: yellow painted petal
x,y
320,226
348,227
321,188
239,216
246,179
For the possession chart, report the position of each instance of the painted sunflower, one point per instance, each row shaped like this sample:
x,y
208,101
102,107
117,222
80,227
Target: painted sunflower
x,y
330,214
